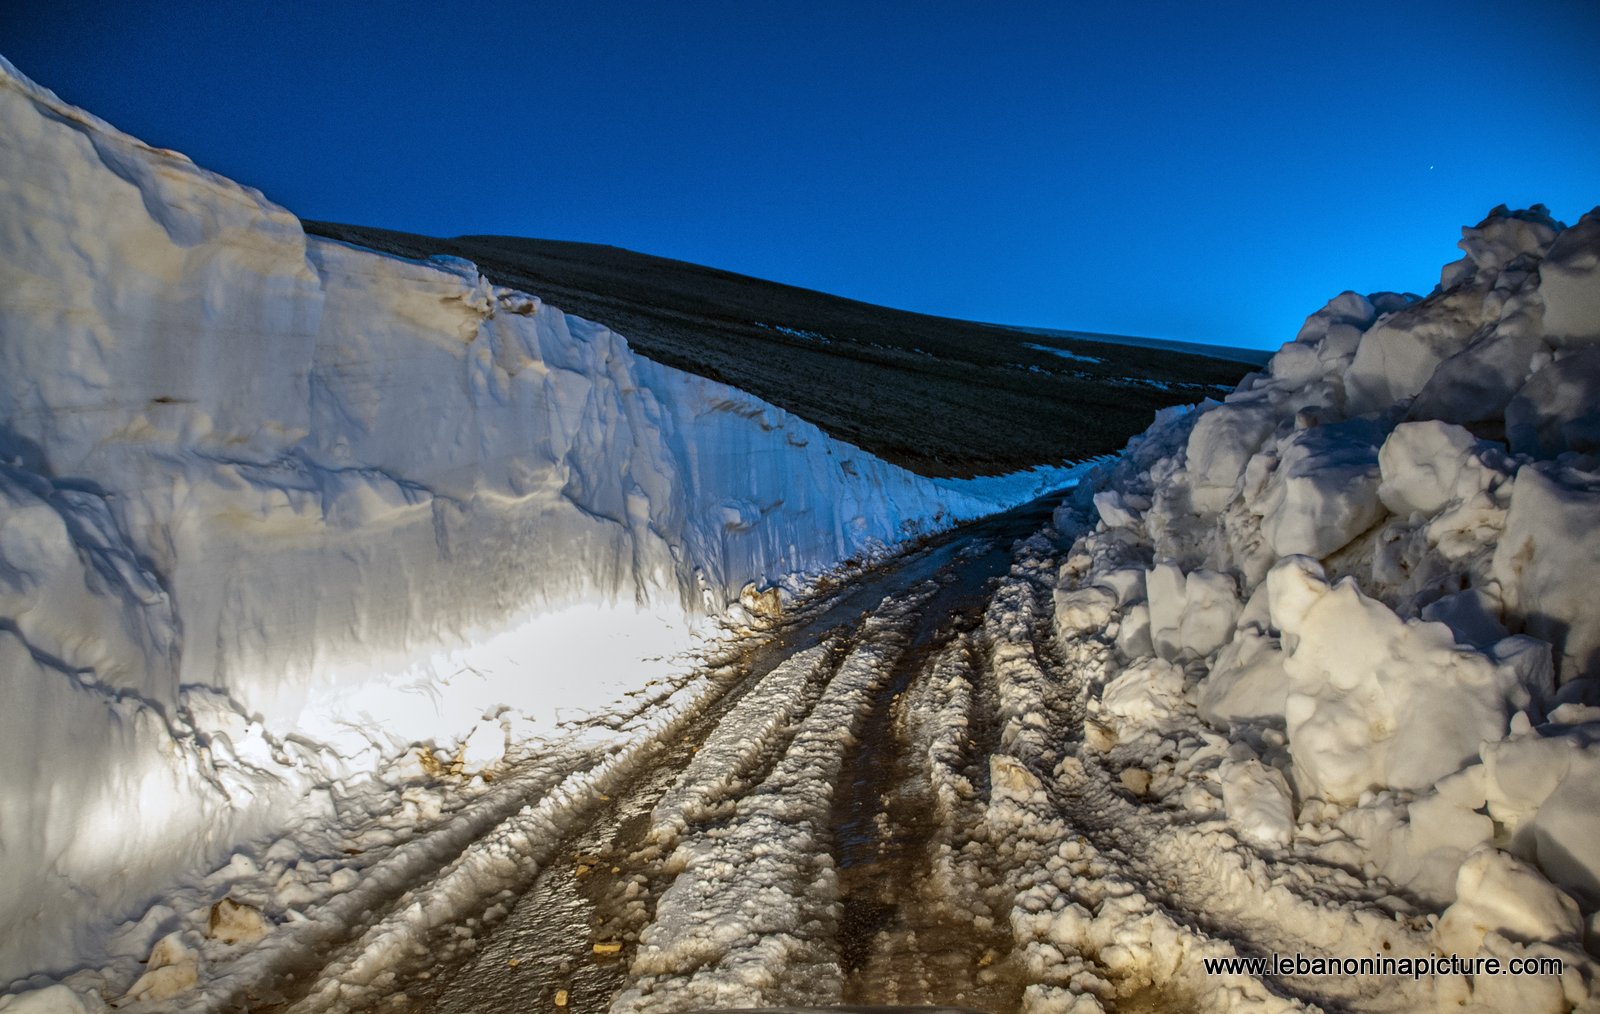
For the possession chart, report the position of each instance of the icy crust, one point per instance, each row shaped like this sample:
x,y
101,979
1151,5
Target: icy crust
x,y
1354,602
275,508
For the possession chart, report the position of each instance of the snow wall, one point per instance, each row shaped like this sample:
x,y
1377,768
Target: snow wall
x,y
1373,569
273,508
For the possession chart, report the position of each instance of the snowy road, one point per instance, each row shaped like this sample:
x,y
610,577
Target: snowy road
x,y
800,816
785,831
885,798
322,580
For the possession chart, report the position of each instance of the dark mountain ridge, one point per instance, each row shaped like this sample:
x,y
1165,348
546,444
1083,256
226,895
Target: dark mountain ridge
x,y
939,396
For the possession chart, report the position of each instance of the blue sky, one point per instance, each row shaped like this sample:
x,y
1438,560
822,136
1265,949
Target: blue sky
x,y
1209,172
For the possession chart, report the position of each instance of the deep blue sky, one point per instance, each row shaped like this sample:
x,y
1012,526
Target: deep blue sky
x,y
1203,171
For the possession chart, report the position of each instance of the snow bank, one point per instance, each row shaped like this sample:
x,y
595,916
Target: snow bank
x,y
275,508
1372,566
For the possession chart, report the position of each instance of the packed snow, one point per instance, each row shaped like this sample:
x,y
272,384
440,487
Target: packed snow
x,y
277,509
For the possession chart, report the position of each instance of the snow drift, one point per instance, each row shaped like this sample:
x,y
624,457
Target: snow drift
x,y
1371,569
275,507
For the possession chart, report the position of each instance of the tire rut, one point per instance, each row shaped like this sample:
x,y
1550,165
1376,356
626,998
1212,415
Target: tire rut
x,y
905,935
575,929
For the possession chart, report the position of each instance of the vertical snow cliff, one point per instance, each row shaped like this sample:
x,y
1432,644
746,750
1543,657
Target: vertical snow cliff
x,y
273,507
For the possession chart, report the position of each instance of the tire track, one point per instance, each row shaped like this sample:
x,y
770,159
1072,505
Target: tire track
x,y
600,890
908,933
752,917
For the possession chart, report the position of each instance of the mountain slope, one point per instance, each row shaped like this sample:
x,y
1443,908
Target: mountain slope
x,y
938,396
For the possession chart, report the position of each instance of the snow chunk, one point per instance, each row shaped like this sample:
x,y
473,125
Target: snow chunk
x,y
1324,491
1426,465
1294,585
1505,235
1473,616
1119,510
234,922
1168,595
1545,561
1296,365
1247,683
1569,284
1133,632
1396,358
1257,801
1399,355
1376,701
1558,409
1193,613
1349,309
173,968
1083,611
1475,384
1126,583
1443,826
1220,445
1497,893
1211,607
1545,791
1145,693
57,999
